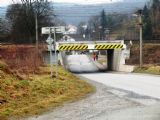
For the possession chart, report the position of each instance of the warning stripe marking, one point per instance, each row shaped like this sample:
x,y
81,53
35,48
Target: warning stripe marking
x,y
108,46
72,47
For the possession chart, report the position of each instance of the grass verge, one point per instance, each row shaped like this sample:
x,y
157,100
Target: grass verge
x,y
149,69
38,92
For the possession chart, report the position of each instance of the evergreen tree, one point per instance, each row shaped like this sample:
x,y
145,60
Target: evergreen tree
x,y
151,20
147,24
103,23
155,13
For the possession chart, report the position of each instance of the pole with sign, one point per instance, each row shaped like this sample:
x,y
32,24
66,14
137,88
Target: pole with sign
x,y
54,30
50,30
50,41
55,50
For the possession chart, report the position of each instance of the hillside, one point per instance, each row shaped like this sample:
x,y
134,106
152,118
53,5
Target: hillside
x,y
75,13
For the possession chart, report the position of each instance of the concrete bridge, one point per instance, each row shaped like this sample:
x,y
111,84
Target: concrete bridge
x,y
77,56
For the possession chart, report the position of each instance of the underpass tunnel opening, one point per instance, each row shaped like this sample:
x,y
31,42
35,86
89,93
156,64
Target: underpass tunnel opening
x,y
105,57
110,54
103,60
88,60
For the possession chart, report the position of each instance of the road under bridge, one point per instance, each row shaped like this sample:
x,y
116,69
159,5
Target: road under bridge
x,y
77,56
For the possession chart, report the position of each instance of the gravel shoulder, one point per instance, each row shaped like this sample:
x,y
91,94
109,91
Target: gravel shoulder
x,y
106,104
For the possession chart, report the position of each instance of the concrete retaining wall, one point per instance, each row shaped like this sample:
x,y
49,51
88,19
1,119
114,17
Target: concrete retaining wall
x,y
119,62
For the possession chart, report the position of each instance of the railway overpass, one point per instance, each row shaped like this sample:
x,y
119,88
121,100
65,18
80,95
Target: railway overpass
x,y
71,58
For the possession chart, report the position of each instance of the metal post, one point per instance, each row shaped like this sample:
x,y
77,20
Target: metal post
x,y
141,41
36,27
50,55
55,49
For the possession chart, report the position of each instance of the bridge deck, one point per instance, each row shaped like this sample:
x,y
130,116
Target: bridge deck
x,y
90,45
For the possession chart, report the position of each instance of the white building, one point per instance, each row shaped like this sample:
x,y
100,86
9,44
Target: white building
x,y
71,29
67,38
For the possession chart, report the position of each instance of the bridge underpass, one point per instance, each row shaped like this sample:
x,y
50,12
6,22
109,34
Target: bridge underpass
x,y
77,56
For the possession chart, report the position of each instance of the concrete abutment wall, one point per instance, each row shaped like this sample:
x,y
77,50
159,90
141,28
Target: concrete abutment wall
x,y
116,61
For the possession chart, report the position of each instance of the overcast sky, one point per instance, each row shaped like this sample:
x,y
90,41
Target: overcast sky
x,y
6,2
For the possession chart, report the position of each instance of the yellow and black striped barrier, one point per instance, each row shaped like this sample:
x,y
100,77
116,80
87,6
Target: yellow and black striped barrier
x,y
108,46
65,47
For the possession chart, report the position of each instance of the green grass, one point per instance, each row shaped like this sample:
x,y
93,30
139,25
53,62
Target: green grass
x,y
39,92
148,69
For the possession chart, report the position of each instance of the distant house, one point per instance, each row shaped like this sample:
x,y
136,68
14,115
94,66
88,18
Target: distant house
x,y
67,38
71,29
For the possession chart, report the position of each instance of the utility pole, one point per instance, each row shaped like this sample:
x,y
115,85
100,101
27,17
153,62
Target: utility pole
x,y
139,15
36,28
55,49
50,41
141,38
51,57
49,31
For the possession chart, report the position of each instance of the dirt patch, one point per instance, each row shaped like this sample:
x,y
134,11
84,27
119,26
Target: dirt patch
x,y
21,58
151,54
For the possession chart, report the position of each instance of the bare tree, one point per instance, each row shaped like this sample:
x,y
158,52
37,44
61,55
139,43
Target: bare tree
x,y
94,25
4,29
23,15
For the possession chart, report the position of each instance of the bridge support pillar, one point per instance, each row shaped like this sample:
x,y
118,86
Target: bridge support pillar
x,y
110,54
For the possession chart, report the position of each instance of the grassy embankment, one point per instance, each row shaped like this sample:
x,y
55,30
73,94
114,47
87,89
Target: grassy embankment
x,y
28,93
150,69
151,58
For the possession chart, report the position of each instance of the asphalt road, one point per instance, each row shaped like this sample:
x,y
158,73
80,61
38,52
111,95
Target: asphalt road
x,y
80,63
119,96
147,85
143,84
108,103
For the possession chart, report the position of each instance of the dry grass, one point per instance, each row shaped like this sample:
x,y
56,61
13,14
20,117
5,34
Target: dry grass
x,y
21,58
150,69
27,89
39,92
